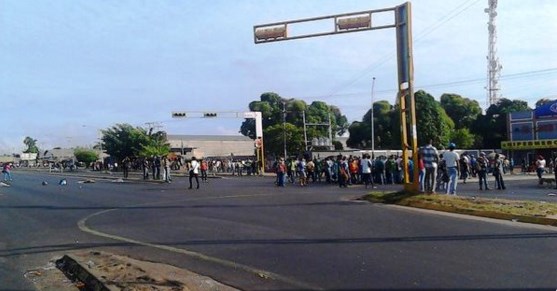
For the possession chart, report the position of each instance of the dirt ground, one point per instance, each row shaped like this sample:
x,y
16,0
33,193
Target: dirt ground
x,y
122,273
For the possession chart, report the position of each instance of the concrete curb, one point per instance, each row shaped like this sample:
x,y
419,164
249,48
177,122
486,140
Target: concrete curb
x,y
75,272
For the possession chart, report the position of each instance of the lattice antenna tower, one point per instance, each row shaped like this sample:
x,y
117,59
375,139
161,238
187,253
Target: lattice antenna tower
x,y
493,65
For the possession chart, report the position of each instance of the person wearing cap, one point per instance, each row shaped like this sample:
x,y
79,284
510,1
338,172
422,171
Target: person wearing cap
x,y
481,168
451,159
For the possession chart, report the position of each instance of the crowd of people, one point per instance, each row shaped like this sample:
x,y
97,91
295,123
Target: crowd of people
x,y
438,172
341,170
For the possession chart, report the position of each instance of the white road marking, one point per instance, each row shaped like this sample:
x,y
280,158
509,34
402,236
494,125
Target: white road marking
x,y
82,224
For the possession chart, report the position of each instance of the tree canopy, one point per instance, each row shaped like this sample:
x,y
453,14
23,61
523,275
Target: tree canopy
x,y
124,140
86,156
31,144
284,117
452,119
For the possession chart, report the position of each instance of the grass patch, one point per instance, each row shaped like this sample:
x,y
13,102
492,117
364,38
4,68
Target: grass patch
x,y
538,212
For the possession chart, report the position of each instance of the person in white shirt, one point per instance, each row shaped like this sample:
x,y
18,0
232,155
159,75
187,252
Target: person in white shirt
x,y
540,166
451,159
194,172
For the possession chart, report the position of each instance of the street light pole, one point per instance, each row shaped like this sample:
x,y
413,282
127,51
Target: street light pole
x,y
284,127
372,122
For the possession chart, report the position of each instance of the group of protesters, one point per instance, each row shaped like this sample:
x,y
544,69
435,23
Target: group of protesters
x,y
341,170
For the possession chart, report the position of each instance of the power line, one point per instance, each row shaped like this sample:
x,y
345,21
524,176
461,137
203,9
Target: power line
x,y
528,74
389,56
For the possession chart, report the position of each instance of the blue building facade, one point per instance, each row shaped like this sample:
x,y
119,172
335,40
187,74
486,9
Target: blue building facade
x,y
532,133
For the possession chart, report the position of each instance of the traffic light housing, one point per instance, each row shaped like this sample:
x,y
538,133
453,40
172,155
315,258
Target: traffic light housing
x,y
178,114
209,114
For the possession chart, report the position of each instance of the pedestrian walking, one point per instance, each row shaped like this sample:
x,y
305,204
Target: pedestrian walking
x,y
540,167
7,171
194,172
451,159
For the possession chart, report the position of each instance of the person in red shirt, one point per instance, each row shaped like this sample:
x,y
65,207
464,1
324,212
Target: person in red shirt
x,y
204,168
421,168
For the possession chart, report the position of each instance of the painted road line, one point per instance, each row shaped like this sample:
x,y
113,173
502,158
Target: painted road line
x,y
82,224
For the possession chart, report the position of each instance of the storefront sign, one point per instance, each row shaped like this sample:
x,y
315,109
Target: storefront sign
x,y
529,144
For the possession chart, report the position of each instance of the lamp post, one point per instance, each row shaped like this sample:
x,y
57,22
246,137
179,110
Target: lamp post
x,y
284,127
372,122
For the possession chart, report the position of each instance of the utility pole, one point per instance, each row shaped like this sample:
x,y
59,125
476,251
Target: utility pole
x,y
305,131
153,126
372,121
284,127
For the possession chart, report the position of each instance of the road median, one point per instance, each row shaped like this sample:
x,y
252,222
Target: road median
x,y
537,212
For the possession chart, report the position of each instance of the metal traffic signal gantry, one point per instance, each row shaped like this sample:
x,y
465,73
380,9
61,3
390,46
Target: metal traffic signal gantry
x,y
363,21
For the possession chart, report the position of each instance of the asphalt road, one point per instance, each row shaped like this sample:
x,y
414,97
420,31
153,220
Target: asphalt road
x,y
247,233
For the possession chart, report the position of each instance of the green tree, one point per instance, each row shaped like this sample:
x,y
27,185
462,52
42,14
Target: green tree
x,y
85,156
280,115
462,111
492,127
124,140
462,138
432,122
384,120
31,145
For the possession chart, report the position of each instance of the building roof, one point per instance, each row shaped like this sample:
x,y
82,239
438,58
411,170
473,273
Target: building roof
x,y
175,137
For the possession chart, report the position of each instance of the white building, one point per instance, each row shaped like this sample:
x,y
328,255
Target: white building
x,y
202,146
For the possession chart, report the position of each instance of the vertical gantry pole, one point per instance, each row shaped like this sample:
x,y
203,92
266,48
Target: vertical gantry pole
x,y
406,93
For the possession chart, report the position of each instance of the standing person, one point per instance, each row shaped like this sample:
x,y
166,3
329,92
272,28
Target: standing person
x,y
204,167
310,166
154,168
540,167
366,166
498,173
354,169
6,170
481,168
451,158
291,170
145,166
194,172
554,170
166,167
301,168
126,166
329,170
430,157
343,171
390,167
442,174
464,167
281,171
318,169
379,167
421,168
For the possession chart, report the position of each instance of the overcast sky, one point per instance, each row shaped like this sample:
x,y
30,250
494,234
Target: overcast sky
x,y
72,67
